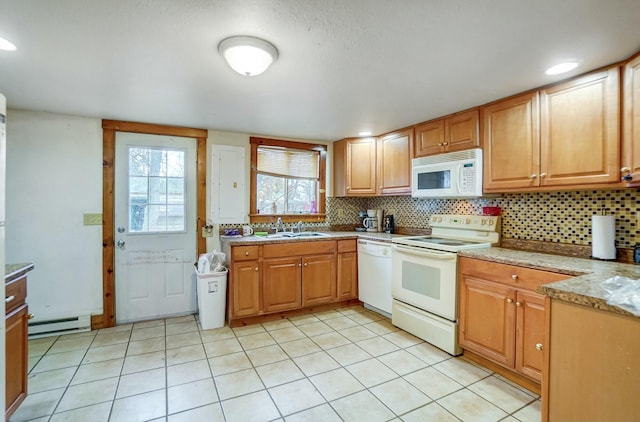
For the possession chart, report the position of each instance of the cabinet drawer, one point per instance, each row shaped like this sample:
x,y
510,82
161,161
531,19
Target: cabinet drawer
x,y
299,248
244,253
15,294
349,245
511,275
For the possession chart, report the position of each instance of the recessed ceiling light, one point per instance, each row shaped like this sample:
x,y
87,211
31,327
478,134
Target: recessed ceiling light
x,y
364,133
7,45
561,68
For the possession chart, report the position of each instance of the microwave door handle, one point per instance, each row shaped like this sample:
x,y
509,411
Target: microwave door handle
x,y
459,181
430,254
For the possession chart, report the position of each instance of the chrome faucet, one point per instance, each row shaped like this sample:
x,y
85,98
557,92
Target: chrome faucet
x,y
280,224
299,226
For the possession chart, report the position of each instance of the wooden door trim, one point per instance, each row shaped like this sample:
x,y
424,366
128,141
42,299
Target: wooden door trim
x,y
109,129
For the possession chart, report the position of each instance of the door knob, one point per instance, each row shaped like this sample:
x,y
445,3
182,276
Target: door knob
x,y
120,243
121,229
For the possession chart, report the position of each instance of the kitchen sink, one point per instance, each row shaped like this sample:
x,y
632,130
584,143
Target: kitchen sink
x,y
285,235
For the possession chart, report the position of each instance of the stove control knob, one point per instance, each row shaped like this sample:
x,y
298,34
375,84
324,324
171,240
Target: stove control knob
x,y
483,222
468,221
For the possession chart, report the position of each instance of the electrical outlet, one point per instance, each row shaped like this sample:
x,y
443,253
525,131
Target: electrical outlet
x,y
92,219
207,231
340,213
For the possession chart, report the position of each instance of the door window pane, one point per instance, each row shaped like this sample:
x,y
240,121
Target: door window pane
x,y
156,201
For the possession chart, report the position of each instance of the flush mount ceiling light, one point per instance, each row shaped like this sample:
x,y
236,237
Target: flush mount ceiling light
x,y
364,133
561,68
7,45
246,55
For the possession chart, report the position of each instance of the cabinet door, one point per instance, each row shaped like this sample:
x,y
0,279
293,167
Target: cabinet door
x,y
529,334
429,138
347,276
394,163
461,131
361,167
511,143
487,319
318,279
16,358
281,284
631,120
246,288
579,131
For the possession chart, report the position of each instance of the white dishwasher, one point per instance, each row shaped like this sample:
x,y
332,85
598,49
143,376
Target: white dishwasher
x,y
374,275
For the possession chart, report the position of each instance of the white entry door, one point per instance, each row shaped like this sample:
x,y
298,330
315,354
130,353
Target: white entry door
x,y
155,226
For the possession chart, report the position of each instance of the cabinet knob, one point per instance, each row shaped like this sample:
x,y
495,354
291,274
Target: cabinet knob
x,y
625,169
514,276
543,174
246,253
31,316
509,300
518,304
440,144
9,299
306,264
533,176
256,268
445,143
348,187
539,346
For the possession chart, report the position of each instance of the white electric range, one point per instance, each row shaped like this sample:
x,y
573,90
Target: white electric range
x,y
425,277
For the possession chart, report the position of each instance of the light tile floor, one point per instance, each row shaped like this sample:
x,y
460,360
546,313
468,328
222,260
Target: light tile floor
x,y
345,365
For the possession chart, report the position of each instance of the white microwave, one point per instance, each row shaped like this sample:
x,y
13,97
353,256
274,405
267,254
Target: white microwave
x,y
450,175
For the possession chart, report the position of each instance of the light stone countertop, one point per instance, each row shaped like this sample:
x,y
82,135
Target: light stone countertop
x,y
263,240
14,271
583,285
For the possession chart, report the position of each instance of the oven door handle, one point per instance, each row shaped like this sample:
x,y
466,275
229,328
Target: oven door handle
x,y
429,254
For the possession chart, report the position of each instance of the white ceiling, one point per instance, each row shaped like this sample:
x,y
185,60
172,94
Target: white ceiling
x,y
344,65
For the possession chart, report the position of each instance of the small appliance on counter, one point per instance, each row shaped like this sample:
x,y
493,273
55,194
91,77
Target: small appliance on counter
x,y
389,224
373,221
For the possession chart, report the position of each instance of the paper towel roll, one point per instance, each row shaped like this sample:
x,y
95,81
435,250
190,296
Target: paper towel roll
x,y
603,236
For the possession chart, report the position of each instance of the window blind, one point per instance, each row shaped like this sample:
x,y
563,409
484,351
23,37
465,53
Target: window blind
x,y
288,162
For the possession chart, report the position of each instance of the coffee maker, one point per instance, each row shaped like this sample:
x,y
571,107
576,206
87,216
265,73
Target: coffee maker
x,y
389,224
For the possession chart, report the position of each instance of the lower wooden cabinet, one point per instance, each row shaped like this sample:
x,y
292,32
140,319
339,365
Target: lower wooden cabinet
x,y
245,279
272,278
16,332
501,316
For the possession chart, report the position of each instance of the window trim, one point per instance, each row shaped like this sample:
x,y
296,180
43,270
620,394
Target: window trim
x,y
320,215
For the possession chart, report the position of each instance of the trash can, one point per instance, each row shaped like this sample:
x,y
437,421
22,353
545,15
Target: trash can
x,y
212,298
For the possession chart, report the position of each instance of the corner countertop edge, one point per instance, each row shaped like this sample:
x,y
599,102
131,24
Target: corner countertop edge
x,y
15,271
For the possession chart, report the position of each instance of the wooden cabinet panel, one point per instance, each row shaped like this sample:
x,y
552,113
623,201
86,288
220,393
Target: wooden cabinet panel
x,y
511,275
15,294
245,253
429,138
462,131
579,131
16,357
394,163
631,122
348,245
281,284
245,277
593,369
529,334
511,143
318,279
361,166
487,319
290,249
347,283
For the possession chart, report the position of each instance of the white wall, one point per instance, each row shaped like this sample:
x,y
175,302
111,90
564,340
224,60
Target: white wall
x,y
54,176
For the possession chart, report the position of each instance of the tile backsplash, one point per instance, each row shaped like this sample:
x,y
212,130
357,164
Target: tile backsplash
x,y
562,217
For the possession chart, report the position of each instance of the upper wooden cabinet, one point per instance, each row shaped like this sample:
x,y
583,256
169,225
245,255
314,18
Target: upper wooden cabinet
x,y
394,163
455,133
630,168
511,139
579,131
563,136
355,167
373,166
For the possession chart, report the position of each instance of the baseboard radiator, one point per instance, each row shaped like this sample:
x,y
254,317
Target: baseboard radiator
x,y
59,326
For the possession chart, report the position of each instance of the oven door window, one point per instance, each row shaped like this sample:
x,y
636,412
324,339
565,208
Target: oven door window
x,y
434,180
421,279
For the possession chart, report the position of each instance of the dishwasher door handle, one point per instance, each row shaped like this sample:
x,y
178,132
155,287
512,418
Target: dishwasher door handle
x,y
425,253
